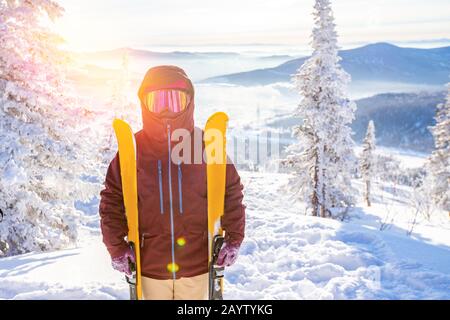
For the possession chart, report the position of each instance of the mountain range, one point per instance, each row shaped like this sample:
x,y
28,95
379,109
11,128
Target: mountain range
x,y
374,62
402,120
146,54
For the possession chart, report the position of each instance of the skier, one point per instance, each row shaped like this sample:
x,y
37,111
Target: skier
x,y
172,196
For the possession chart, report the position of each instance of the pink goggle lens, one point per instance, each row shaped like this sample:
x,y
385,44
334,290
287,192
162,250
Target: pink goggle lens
x,y
171,100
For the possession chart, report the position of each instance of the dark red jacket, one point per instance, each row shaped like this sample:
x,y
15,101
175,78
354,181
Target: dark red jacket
x,y
185,193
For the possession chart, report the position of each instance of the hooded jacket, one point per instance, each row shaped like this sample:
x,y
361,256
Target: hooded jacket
x,y
172,197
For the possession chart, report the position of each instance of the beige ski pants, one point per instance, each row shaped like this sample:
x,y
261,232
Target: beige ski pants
x,y
192,288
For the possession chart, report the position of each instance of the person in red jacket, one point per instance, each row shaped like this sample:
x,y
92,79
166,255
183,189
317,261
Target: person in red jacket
x,y
172,196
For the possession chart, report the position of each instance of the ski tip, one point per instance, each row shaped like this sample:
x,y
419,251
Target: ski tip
x,y
222,116
118,123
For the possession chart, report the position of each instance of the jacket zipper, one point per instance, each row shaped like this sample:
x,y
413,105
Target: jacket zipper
x,y
180,189
172,233
161,206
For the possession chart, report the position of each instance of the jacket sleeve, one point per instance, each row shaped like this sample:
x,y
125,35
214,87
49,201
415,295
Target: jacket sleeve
x,y
233,220
113,221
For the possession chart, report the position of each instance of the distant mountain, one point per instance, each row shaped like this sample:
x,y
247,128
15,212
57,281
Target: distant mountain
x,y
145,54
180,55
374,62
198,65
401,119
277,57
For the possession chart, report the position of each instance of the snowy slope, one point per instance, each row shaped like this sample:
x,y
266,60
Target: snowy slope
x,y
291,256
82,273
286,255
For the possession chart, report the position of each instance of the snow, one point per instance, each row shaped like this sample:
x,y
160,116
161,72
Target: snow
x,y
285,255
291,256
81,273
408,158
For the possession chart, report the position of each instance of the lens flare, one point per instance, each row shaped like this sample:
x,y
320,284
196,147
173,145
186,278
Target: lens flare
x,y
173,267
181,242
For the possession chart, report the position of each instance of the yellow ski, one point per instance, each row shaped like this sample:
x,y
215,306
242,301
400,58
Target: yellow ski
x,y
216,158
127,158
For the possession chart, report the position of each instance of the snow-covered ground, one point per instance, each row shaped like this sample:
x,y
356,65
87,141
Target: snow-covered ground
x,y
286,255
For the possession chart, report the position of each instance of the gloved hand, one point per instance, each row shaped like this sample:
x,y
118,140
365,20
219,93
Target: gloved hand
x,y
228,255
122,263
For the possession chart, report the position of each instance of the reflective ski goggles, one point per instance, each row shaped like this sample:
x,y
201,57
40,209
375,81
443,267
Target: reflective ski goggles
x,y
167,99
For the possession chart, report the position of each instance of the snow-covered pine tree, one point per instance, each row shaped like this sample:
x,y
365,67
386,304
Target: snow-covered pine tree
x,y
42,152
120,106
367,161
324,160
439,162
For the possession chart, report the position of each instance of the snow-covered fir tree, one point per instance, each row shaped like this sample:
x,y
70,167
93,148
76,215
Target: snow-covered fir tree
x,y
42,151
323,158
120,106
438,166
121,101
367,161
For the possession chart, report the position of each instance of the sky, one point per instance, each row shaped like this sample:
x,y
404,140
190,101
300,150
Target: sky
x,y
90,25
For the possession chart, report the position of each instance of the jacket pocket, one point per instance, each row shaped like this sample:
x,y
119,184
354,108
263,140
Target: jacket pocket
x,y
149,204
145,236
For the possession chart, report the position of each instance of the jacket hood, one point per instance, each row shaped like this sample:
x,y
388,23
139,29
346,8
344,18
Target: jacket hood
x,y
156,126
